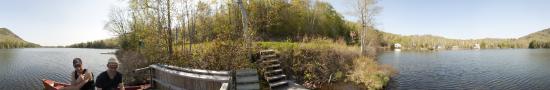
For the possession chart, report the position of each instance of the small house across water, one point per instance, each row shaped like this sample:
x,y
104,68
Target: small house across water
x,y
396,47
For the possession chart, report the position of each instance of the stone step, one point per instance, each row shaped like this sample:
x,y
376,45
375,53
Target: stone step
x,y
274,66
275,77
255,86
273,71
247,79
271,61
246,72
263,57
267,52
279,83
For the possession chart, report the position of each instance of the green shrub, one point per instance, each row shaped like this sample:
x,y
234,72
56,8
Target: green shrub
x,y
218,55
369,73
316,62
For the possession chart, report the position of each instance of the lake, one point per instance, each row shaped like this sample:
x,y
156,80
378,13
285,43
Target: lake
x,y
493,69
520,69
23,69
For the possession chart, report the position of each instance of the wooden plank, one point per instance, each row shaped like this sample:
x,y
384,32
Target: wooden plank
x,y
268,56
193,75
212,72
275,84
169,79
225,86
276,77
273,71
166,85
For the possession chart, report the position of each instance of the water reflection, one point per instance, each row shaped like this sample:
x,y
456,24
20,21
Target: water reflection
x,y
22,69
470,69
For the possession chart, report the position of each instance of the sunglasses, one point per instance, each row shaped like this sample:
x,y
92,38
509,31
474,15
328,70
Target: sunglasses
x,y
78,65
112,65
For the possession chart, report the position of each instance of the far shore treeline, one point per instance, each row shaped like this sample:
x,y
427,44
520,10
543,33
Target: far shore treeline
x,y
540,39
110,43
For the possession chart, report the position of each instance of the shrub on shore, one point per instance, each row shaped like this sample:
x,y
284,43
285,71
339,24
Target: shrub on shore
x,y
219,55
320,61
369,73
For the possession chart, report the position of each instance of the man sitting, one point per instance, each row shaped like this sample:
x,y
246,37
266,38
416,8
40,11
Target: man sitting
x,y
110,79
81,79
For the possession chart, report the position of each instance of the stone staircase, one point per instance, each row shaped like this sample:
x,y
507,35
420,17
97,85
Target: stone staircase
x,y
247,79
271,69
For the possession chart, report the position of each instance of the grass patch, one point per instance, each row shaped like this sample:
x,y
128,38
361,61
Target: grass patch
x,y
321,61
369,73
216,55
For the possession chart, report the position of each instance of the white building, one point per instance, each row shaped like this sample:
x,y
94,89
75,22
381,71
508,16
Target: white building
x,y
397,46
476,46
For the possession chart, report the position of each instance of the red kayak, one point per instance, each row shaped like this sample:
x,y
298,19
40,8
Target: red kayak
x,y
52,85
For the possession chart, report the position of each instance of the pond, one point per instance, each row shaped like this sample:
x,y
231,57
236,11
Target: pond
x,y
23,69
494,69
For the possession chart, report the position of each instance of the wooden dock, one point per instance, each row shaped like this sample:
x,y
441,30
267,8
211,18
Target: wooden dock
x,y
168,77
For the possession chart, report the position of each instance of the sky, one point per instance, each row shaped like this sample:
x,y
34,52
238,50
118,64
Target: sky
x,y
64,22
57,22
458,19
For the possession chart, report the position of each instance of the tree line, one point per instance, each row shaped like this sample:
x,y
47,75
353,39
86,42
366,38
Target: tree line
x,y
430,41
539,44
16,44
107,43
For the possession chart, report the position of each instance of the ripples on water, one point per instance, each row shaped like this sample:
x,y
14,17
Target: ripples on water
x,y
504,69
22,69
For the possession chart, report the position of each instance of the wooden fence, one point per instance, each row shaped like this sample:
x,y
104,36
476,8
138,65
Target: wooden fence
x,y
166,77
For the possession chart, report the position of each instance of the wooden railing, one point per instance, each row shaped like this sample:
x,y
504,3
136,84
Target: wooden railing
x,y
167,77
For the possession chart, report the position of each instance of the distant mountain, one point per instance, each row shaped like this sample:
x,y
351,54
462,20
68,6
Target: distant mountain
x,y
6,33
8,39
540,39
543,35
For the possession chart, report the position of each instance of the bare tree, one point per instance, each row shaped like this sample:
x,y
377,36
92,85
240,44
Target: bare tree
x,y
118,21
245,26
169,29
366,10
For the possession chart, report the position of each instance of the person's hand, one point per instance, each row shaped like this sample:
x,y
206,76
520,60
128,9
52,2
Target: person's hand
x,y
121,85
82,78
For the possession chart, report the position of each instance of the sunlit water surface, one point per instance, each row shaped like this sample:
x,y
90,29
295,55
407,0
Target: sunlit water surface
x,y
493,69
22,69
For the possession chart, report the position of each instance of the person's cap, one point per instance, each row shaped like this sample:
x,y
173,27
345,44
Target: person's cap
x,y
113,60
77,61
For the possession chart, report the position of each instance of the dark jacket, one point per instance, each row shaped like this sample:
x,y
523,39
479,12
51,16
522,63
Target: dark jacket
x,y
89,85
104,82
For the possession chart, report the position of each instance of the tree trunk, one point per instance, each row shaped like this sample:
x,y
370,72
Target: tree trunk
x,y
169,31
245,26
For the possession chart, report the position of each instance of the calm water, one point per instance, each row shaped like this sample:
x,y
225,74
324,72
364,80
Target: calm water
x,y
496,69
22,69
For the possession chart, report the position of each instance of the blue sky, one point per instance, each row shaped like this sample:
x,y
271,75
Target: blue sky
x,y
63,22
460,19
56,22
